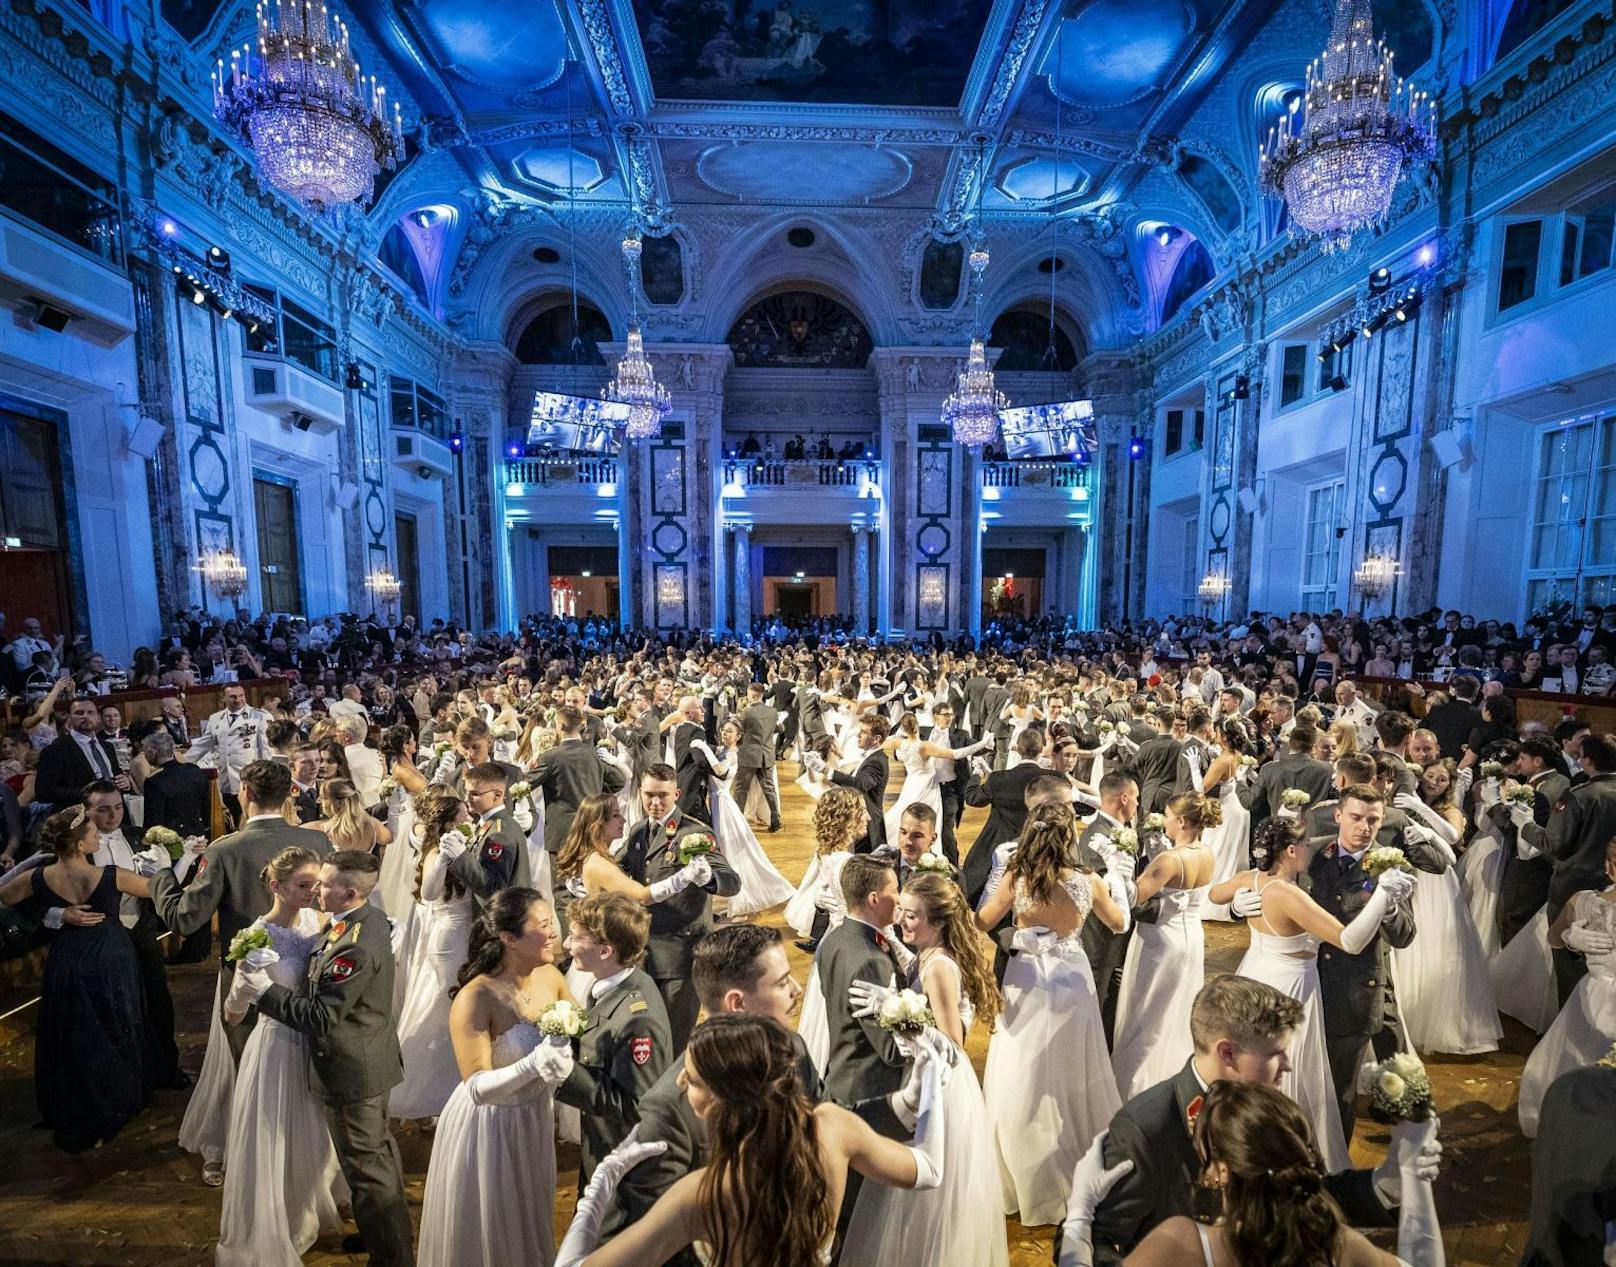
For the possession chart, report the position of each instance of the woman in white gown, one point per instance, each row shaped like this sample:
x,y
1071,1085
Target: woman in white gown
x,y
1284,954
282,1186
896,1227
762,886
839,819
1165,966
919,758
1021,713
396,888
1586,1027
1048,1084
1230,840
446,913
1444,991
498,1127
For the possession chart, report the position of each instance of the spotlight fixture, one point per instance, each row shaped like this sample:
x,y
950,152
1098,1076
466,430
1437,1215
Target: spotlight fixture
x,y
46,316
168,228
457,441
197,297
514,450
1426,255
218,259
1377,322
1242,388
1337,382
1136,448
1380,280
1164,236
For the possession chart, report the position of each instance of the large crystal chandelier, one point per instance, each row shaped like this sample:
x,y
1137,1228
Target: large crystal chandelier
x,y
972,408
320,129
1337,163
635,384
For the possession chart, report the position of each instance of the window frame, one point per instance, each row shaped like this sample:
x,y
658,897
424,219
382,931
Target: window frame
x,y
1303,395
1535,295
1572,578
1324,594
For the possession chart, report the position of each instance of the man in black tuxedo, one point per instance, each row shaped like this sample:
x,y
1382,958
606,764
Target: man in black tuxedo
x,y
1297,769
994,722
975,685
1580,828
947,735
917,836
679,921
1194,754
1005,793
568,773
178,795
1242,1030
1106,950
1524,886
1453,721
501,862
78,757
783,694
869,780
1353,988
692,720
754,760
1155,765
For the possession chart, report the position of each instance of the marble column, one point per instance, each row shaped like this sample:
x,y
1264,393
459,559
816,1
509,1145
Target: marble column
x,y
743,579
861,581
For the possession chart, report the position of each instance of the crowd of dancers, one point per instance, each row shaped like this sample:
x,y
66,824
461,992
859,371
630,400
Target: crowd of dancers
x,y
527,911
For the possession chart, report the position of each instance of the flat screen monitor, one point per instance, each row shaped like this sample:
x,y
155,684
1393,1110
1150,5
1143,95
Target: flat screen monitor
x,y
576,424
1063,429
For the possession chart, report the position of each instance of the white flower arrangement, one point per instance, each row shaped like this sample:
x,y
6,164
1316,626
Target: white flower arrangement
x,y
934,862
563,1017
519,791
1492,769
1521,794
1247,761
905,1012
1124,729
1401,1090
1608,1060
1155,822
1386,858
1294,798
1104,727
1126,839
386,788
167,839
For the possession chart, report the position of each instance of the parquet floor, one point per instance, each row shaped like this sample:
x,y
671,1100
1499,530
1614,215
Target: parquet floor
x,y
140,1201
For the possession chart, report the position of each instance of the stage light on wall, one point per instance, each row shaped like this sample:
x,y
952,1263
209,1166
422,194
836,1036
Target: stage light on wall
x,y
457,441
168,228
515,450
1426,255
1380,280
1136,448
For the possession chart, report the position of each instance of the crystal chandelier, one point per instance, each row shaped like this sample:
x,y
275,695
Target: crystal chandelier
x,y
1213,589
321,130
224,572
972,408
385,586
1338,161
1376,576
635,384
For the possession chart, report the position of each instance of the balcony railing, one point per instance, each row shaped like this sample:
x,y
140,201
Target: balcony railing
x,y
1034,475
829,473
561,472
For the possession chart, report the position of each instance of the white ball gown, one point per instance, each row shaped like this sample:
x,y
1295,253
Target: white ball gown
x,y
1160,979
919,784
899,1227
813,1021
471,1213
396,885
762,886
1274,961
1522,976
1444,992
1229,842
282,1185
1048,1084
430,1071
206,1124
1586,1026
1481,871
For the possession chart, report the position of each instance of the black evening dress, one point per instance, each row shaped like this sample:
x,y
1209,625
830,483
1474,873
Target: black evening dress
x,y
90,1072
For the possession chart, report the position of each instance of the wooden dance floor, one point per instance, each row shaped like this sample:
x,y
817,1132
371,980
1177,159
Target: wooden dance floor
x,y
140,1201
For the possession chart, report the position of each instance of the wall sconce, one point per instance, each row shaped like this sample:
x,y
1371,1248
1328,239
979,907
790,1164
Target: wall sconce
x,y
223,572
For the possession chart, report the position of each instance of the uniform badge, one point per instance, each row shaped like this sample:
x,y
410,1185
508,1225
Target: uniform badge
x,y
638,1006
495,851
342,968
1192,1111
640,1049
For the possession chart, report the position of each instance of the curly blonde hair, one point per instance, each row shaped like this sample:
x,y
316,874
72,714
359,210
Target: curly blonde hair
x,y
836,820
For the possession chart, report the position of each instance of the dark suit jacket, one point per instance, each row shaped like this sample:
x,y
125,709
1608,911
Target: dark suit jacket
x,y
1581,825
871,780
1152,1130
1182,781
864,1060
1156,765
1573,1171
178,796
758,722
1262,796
63,770
567,774
1352,988
681,921
1452,723
1005,792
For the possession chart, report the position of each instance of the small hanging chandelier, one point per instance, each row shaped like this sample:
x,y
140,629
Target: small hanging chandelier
x,y
1338,162
1377,576
635,384
223,571
1213,589
972,408
320,129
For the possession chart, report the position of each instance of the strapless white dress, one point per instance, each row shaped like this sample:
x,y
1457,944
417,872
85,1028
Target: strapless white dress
x,y
1164,971
430,1071
490,1186
1586,1026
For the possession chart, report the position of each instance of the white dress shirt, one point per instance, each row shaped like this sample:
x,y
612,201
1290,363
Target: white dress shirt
x,y
112,850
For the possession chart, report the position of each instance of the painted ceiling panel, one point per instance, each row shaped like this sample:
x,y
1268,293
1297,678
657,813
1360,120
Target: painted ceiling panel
x,y
802,173
873,52
1118,51
500,47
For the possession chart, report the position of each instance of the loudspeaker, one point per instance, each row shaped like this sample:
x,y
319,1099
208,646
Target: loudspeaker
x,y
47,316
144,437
1248,500
1338,383
347,495
1448,448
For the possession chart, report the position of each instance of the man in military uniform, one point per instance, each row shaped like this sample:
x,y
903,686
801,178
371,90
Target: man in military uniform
x,y
345,1007
1580,828
234,737
1524,886
679,921
627,1044
229,876
500,861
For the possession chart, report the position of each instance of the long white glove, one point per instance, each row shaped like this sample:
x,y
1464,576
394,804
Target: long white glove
x,y
1192,758
1421,834
900,952
243,993
696,871
1091,1184
927,1147
1427,1162
927,1047
1122,893
1393,887
1587,941
1413,805
1419,1235
1001,861
865,998
1246,904
522,812
584,1233
550,1063
959,754
435,876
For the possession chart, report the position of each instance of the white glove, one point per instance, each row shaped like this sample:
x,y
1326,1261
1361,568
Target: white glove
x,y
930,1122
813,763
699,870
1246,904
1091,1184
1001,862
1357,935
523,814
251,983
149,862
1421,1153
1122,893
900,952
981,768
1526,852
1419,1236
452,844
1398,885
865,998
576,887
1587,941
1408,802
550,1063
673,885
1520,814
584,1233
1285,811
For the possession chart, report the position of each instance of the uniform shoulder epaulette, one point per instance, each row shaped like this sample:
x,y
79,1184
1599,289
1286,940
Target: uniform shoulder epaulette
x,y
637,1005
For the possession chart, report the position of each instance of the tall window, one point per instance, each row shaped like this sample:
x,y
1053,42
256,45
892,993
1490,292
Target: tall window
x,y
1293,374
1572,549
1517,277
1190,580
1585,248
1321,546
297,335
414,406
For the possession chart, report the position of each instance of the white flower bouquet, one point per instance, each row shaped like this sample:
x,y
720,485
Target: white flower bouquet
x,y
905,1012
167,839
1492,769
1126,839
1521,794
695,845
1401,1090
386,788
247,941
1104,727
564,1018
1124,729
1294,798
1386,858
1155,822
934,862
1608,1060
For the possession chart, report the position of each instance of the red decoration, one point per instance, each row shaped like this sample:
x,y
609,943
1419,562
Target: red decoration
x,y
342,968
639,1049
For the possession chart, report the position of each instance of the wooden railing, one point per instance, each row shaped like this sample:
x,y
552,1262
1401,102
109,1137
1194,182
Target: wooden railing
x,y
1547,707
201,702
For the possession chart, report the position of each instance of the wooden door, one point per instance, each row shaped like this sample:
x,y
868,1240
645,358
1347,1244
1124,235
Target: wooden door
x,y
409,566
279,575
33,533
